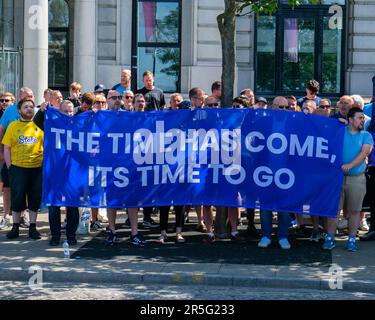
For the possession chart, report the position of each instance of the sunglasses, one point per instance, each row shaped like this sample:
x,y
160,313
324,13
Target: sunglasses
x,y
284,107
116,97
5,100
325,107
211,105
100,102
129,97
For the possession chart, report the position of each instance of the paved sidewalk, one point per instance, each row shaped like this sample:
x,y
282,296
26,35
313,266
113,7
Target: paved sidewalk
x,y
18,256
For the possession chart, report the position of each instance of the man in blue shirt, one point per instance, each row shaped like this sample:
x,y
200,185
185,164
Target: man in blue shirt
x,y
358,145
125,82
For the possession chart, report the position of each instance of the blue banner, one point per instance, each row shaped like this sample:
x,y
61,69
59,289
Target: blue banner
x,y
275,160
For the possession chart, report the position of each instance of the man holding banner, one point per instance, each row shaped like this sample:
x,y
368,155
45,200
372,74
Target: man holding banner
x,y
357,147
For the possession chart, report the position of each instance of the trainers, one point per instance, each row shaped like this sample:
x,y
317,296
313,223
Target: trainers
x,y
368,236
284,244
237,238
329,243
264,242
34,234
72,242
201,228
363,226
96,226
343,224
24,222
162,239
14,233
138,240
315,236
111,239
150,224
209,239
5,223
180,238
351,245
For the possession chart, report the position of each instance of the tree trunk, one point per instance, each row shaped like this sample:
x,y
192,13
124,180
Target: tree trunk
x,y
227,27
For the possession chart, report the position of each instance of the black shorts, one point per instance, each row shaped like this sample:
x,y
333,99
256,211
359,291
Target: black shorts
x,y
5,176
25,188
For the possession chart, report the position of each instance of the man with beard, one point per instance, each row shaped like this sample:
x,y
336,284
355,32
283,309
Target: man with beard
x,y
357,147
23,153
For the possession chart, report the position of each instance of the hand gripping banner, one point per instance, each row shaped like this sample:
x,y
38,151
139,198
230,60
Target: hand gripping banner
x,y
274,160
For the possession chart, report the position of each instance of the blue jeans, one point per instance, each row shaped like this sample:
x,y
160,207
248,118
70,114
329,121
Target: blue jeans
x,y
266,223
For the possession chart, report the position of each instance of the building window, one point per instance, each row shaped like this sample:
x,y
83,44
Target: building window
x,y
159,42
10,56
7,23
58,45
299,44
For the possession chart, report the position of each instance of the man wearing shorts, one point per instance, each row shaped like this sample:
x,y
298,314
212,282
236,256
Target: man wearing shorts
x,y
357,147
23,154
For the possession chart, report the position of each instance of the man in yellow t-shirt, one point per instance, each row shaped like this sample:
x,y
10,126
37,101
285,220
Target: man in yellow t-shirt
x,y
23,153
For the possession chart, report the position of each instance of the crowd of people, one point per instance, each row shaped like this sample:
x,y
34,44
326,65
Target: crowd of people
x,y
21,133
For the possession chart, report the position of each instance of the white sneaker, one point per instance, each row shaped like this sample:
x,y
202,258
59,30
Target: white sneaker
x,y
5,223
103,215
343,224
363,226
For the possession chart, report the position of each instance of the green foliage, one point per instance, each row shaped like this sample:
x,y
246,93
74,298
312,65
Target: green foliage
x,y
263,6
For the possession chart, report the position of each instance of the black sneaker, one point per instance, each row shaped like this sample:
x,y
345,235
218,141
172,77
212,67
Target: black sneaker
x,y
72,242
111,239
14,233
54,242
150,224
138,240
34,234
237,238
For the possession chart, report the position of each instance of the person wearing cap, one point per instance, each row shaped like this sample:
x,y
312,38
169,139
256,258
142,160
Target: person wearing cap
x,y
99,88
260,103
125,83
185,104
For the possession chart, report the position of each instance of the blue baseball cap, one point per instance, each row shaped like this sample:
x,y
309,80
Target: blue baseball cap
x,y
186,104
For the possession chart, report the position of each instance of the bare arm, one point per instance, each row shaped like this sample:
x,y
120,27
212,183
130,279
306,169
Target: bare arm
x,y
366,150
7,156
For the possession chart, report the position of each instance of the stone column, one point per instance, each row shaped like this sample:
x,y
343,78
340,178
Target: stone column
x,y
35,52
85,43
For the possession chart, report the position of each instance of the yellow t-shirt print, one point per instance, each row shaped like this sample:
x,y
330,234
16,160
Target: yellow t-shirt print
x,y
26,142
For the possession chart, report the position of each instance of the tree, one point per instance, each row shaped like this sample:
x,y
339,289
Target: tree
x,y
227,28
